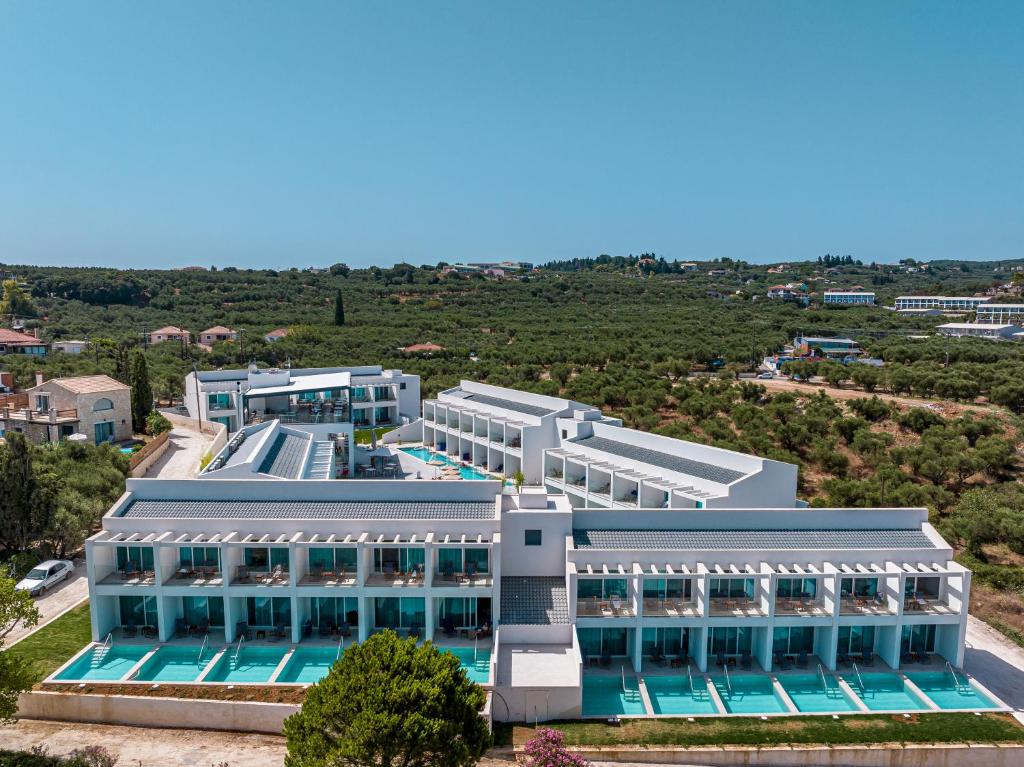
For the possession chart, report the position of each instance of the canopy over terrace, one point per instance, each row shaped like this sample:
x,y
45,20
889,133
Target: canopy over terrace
x,y
283,397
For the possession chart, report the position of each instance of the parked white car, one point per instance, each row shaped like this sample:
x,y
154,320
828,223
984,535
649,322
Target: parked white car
x,y
45,575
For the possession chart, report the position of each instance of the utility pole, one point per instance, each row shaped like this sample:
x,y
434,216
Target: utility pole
x,y
199,404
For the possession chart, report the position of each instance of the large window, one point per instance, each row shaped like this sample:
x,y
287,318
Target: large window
x,y
402,560
926,587
854,640
199,556
729,640
269,612
135,559
453,559
606,641
334,611
138,611
793,640
464,612
198,611
102,405
332,559
399,613
266,559
865,588
796,588
221,401
601,588
668,588
664,641
731,588
920,638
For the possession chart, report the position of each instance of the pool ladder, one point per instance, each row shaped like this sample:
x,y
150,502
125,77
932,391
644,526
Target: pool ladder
x,y
860,679
107,646
728,681
962,685
238,651
830,692
202,649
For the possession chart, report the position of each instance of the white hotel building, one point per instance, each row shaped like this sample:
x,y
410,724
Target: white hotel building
x,y
944,303
995,314
849,298
712,560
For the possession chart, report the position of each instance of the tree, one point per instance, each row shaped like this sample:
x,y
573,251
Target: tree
x,y
389,703
157,423
339,309
16,608
142,392
547,749
16,301
24,504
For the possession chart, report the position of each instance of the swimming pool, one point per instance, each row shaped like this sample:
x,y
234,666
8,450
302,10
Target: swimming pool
x,y
308,665
885,692
252,664
672,695
175,664
809,693
605,696
427,456
947,692
748,694
104,663
479,669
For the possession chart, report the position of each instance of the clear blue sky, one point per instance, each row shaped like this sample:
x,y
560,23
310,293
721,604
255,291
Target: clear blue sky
x,y
294,133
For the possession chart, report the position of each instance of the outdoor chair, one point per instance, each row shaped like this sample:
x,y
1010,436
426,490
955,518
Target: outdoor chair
x,y
447,571
606,661
801,660
842,659
344,630
925,658
242,630
326,629
415,631
180,627
448,626
745,661
129,631
868,658
720,659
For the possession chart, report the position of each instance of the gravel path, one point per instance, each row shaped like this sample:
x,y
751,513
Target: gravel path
x,y
181,459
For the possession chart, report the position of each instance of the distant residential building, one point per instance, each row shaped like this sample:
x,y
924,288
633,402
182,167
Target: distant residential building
x,y
787,293
217,334
504,266
689,266
70,347
849,297
275,335
999,313
829,347
421,348
991,331
954,303
97,406
13,342
169,333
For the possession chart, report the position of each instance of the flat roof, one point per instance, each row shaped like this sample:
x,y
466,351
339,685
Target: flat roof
x,y
977,325
286,456
752,540
946,298
689,466
299,384
253,509
537,665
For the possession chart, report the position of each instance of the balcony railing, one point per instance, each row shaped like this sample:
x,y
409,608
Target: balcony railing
x,y
927,605
319,577
740,607
51,416
593,607
395,579
864,606
130,577
787,606
188,575
250,576
669,608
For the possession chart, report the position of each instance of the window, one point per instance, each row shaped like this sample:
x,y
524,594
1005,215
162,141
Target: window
x,y
920,638
729,640
796,588
854,640
565,434
219,401
402,386
533,538
42,402
792,640
666,641
102,404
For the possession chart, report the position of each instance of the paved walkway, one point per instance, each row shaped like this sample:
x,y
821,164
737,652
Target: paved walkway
x,y
56,601
996,662
181,459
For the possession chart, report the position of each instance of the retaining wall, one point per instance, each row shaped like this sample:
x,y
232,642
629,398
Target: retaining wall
x,y
139,711
148,455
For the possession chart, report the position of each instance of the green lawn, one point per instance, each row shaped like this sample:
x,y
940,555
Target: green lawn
x,y
47,649
743,731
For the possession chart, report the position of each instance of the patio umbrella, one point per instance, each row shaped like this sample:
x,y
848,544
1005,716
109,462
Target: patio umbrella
x,y
373,439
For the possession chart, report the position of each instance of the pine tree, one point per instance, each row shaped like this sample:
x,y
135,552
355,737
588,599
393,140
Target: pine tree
x,y
142,392
339,309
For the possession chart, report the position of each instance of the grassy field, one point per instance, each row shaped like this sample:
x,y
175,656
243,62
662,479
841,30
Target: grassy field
x,y
48,648
743,731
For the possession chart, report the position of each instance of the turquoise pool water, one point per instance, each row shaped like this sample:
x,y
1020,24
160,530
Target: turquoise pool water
x,y
604,696
426,456
175,664
808,693
946,693
478,670
885,692
254,664
105,664
308,665
671,695
749,695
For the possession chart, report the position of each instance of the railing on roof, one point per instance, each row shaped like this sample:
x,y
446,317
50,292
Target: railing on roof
x,y
53,415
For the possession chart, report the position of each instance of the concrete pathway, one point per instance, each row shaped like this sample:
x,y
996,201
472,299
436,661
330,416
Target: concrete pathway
x,y
56,602
996,662
186,449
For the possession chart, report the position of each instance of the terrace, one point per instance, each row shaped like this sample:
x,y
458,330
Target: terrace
x,y
397,563
799,591
669,596
604,593
734,595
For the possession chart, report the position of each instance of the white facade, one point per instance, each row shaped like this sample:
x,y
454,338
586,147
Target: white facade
x,y
952,303
600,465
996,313
991,331
347,397
849,297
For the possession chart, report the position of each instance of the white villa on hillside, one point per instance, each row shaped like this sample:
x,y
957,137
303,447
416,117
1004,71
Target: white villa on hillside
x,y
947,303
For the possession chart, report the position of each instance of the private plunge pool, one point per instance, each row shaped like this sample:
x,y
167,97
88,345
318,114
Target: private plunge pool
x,y
749,694
885,692
679,694
948,691
816,693
612,696
248,665
175,664
103,663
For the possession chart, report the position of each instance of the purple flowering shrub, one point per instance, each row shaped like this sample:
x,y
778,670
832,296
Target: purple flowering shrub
x,y
547,749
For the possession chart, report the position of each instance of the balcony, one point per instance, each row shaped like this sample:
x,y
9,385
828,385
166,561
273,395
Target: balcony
x,y
395,578
923,605
187,575
249,576
735,607
864,606
670,608
593,607
805,607
51,416
129,576
602,490
335,578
